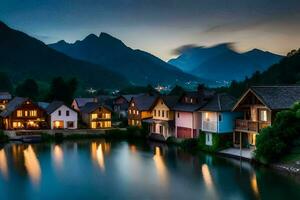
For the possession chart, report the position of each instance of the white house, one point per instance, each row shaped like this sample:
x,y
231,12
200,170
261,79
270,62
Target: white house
x,y
61,116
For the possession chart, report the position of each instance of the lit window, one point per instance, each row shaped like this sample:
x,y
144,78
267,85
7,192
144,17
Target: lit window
x,y
25,113
134,112
94,116
129,111
19,113
137,112
33,113
206,116
263,115
191,100
94,125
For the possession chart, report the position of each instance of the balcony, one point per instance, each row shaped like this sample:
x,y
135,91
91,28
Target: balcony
x,y
250,126
209,126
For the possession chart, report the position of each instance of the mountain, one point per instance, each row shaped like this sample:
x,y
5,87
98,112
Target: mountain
x,y
137,66
286,72
221,62
22,56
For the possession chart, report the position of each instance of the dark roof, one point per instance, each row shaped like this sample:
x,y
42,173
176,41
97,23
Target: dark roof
x,y
82,101
53,106
43,105
144,102
277,97
104,98
185,107
91,106
12,106
170,101
219,102
5,96
129,96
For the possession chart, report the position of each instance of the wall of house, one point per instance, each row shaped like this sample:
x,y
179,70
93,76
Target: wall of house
x,y
160,111
227,124
74,105
191,120
73,117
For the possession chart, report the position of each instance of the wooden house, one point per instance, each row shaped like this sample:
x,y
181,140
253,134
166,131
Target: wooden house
x,y
78,103
5,97
162,124
121,104
22,113
140,109
96,116
259,106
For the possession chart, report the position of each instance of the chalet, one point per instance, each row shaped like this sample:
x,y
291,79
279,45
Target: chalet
x,y
162,124
217,120
61,116
140,109
78,103
5,97
259,105
96,116
187,117
22,113
121,104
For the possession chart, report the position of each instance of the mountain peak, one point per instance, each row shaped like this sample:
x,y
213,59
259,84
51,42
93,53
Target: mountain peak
x,y
3,25
91,37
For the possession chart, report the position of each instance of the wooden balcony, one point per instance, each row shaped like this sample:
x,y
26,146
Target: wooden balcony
x,y
250,126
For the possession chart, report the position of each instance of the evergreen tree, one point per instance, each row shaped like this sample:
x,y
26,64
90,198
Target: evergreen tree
x,y
28,88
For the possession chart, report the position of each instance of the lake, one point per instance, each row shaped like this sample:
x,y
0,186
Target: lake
x,y
98,169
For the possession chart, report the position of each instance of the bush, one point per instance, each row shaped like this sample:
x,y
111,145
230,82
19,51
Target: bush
x,y
3,138
190,144
276,141
219,142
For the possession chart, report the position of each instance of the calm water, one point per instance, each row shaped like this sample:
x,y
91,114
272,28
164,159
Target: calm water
x,y
121,170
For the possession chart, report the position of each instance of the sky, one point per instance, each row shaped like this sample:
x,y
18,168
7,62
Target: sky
x,y
162,26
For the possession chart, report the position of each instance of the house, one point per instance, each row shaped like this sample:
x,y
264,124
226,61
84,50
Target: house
x,y
121,104
96,115
259,105
5,97
187,117
162,124
140,109
22,113
61,116
217,120
78,103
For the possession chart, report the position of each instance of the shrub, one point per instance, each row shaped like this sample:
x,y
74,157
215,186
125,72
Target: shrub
x,y
3,138
276,141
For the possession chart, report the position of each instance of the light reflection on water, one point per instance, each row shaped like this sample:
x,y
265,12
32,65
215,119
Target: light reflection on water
x,y
132,171
32,165
3,164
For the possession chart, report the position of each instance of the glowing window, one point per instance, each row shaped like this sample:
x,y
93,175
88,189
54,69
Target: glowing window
x,y
94,116
19,113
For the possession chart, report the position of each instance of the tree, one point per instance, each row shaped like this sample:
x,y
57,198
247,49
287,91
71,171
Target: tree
x,y
62,90
5,83
28,88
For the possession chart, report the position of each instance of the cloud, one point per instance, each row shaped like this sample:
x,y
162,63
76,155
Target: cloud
x,y
183,48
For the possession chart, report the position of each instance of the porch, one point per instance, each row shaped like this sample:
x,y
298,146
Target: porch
x,y
161,127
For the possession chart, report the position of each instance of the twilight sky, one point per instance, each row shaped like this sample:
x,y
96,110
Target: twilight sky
x,y
160,26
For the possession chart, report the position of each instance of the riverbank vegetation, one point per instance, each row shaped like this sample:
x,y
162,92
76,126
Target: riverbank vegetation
x,y
281,139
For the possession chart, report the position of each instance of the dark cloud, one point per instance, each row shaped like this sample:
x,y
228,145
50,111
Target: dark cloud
x,y
184,48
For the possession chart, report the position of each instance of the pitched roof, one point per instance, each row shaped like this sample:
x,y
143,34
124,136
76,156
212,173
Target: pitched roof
x,y
5,96
82,101
277,97
186,107
12,106
219,102
53,106
170,101
144,102
91,106
43,105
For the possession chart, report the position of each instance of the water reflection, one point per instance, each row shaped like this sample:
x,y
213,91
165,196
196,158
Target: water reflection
x,y
58,156
32,165
160,165
132,148
3,164
207,177
97,151
254,185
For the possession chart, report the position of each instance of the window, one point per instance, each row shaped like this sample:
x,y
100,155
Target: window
x,y
70,124
134,112
33,113
159,113
132,104
207,116
167,114
220,117
191,100
19,113
25,113
178,115
163,113
263,115
67,113
208,139
94,116
93,125
59,113
137,112
154,113
129,111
